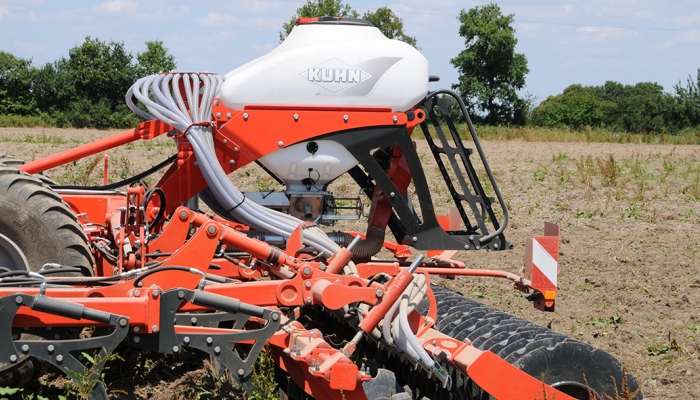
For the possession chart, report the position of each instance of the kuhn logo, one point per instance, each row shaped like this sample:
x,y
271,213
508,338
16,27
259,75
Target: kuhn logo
x,y
334,75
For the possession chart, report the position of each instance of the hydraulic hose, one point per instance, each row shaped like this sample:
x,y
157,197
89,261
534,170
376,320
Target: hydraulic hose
x,y
171,109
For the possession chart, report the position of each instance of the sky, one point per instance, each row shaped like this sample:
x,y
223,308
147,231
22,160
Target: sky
x,y
565,42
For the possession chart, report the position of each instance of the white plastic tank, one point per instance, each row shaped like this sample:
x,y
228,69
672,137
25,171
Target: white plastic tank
x,y
332,64
305,170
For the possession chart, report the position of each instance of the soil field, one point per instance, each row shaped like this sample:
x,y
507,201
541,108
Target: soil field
x,y
629,257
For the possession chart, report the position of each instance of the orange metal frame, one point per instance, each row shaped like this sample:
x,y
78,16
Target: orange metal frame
x,y
192,239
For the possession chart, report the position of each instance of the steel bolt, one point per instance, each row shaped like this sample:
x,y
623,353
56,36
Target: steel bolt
x,y
345,118
59,358
137,339
306,271
478,247
241,372
232,162
181,294
392,194
296,117
211,229
176,349
379,293
225,141
495,245
395,118
122,322
216,102
322,267
13,358
155,294
308,285
466,247
19,300
186,340
210,340
183,214
57,336
308,300
471,237
25,348
154,328
196,164
415,238
217,350
193,320
137,293
245,116
218,115
280,143
265,273
50,349
235,149
228,115
275,316
136,329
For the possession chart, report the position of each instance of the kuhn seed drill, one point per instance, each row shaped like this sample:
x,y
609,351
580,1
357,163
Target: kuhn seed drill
x,y
256,272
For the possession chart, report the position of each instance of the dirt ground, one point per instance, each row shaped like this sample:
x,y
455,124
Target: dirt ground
x,y
630,239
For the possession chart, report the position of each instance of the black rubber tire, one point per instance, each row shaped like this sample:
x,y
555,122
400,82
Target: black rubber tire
x,y
9,161
43,227
38,221
560,360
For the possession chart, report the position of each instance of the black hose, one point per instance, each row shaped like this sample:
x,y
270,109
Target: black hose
x,y
161,210
125,182
153,271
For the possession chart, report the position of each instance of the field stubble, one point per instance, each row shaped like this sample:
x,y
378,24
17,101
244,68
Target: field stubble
x,y
630,239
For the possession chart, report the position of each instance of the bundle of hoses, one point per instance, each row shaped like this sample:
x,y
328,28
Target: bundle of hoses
x,y
200,89
396,330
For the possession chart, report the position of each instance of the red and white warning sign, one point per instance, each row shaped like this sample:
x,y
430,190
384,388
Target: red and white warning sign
x,y
542,265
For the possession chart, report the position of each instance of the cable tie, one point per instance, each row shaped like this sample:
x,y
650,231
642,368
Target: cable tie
x,y
206,124
236,206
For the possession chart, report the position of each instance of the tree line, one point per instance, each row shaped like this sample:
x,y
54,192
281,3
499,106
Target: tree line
x,y
641,108
86,89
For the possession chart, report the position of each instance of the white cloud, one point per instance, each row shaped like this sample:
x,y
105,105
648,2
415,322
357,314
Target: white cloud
x,y
624,9
606,33
689,20
263,48
217,20
689,37
543,13
118,6
163,13
27,46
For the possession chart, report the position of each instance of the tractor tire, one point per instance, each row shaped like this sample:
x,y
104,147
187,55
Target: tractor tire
x,y
9,161
36,227
573,367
